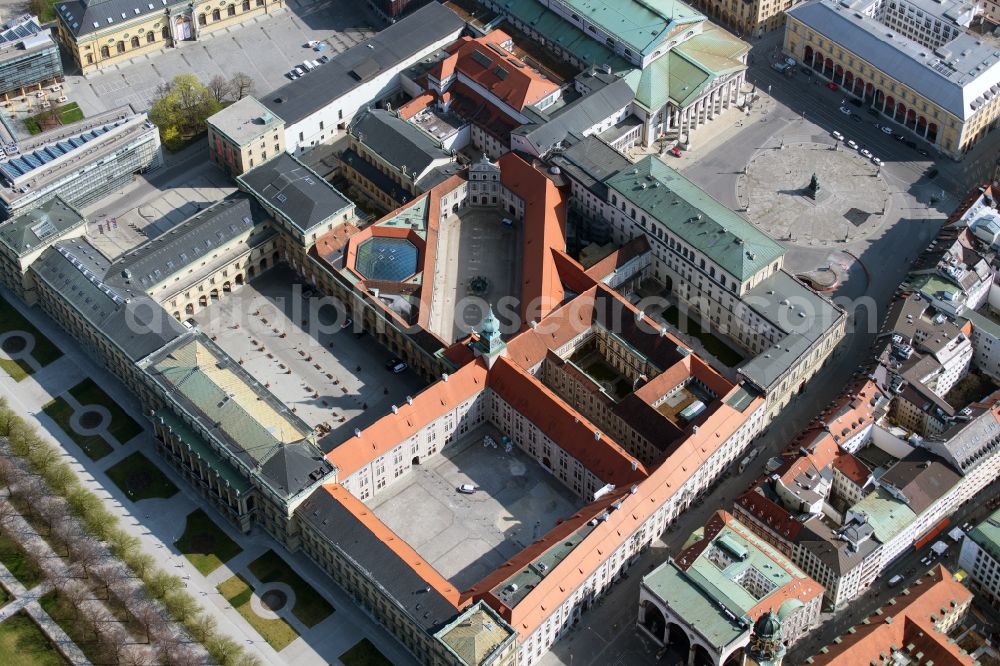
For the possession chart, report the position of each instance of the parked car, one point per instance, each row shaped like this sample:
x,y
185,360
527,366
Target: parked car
x,y
832,86
837,135
886,129
844,110
851,144
467,488
895,580
876,160
395,365
867,153
675,151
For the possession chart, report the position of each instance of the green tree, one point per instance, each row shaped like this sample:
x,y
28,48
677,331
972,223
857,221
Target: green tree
x,y
181,108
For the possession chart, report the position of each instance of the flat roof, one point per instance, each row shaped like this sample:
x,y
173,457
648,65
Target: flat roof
x,y
244,120
359,64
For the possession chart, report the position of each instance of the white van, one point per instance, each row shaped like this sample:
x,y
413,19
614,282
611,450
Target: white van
x,y
895,580
308,66
467,488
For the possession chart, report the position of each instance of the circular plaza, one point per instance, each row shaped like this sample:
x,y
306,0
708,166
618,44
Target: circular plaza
x,y
845,201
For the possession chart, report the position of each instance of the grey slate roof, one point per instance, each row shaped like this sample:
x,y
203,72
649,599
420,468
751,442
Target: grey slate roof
x,y
396,141
429,610
25,232
358,64
577,116
590,162
130,320
295,191
923,477
797,310
172,252
79,16
953,83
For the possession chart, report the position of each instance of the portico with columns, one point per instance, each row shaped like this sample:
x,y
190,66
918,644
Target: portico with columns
x,y
674,633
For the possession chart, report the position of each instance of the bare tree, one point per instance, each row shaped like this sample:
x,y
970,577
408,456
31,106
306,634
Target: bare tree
x,y
220,88
177,653
7,510
134,655
112,636
148,615
88,554
241,85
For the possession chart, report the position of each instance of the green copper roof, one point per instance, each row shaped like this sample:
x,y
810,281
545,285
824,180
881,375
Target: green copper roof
x,y
987,534
639,24
563,34
691,214
887,515
683,73
734,573
196,443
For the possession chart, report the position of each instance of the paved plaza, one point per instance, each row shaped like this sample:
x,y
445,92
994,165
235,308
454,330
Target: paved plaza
x,y
850,203
263,47
474,244
296,347
116,230
465,537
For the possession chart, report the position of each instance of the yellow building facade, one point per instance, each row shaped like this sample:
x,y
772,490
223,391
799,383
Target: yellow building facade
x,y
953,131
746,19
99,34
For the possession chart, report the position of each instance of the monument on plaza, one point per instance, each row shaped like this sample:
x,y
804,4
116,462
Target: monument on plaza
x,y
814,187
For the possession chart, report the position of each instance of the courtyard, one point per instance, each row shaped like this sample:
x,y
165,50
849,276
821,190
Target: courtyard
x,y
466,536
296,346
479,257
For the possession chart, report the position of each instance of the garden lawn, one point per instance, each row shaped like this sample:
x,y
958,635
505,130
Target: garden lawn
x,y
18,563
364,653
123,427
310,607
276,632
140,478
94,446
44,351
205,544
22,643
68,113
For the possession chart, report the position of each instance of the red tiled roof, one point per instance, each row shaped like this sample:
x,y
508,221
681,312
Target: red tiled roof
x,y
517,85
415,105
564,425
429,405
399,546
910,621
544,228
609,264
852,468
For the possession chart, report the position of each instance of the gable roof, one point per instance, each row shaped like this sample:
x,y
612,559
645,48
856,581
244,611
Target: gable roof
x,y
398,142
297,193
134,323
691,214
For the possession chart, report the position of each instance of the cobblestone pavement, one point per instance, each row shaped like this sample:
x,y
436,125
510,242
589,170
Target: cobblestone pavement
x,y
850,204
